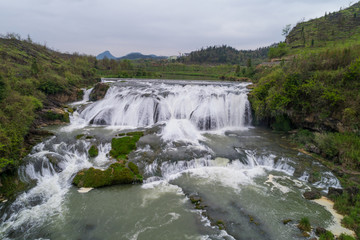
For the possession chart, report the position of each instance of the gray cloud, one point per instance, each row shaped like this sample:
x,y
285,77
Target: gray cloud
x,y
163,27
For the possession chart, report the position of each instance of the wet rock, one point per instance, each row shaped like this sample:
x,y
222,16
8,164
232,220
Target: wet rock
x,y
54,162
98,92
319,231
352,190
195,199
335,192
312,148
286,221
311,195
90,227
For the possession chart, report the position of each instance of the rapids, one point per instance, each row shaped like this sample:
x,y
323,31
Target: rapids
x,y
198,142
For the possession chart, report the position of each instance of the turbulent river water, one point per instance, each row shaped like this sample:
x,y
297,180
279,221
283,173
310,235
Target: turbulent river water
x,y
198,143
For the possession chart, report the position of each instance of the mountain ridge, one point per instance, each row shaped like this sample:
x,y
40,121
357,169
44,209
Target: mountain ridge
x,y
130,56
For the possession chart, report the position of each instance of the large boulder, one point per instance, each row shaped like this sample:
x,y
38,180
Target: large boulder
x,y
335,192
98,92
311,195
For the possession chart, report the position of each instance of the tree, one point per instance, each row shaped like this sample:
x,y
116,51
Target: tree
x,y
286,30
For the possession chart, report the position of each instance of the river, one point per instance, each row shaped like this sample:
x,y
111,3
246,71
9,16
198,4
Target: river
x,y
199,144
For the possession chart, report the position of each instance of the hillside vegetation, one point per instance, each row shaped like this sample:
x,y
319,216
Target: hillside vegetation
x,y
225,55
314,91
32,77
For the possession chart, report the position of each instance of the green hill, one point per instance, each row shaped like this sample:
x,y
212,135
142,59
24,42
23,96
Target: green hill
x,y
313,94
225,55
337,27
33,80
316,86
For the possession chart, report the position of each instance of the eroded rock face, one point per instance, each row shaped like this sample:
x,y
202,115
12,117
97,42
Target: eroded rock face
x,y
98,92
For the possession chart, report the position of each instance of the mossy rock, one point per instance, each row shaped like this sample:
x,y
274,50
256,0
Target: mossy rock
x,y
121,147
93,151
99,91
116,173
79,136
133,167
53,116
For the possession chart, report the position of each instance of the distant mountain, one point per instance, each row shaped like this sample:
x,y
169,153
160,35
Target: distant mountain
x,y
130,56
105,54
137,55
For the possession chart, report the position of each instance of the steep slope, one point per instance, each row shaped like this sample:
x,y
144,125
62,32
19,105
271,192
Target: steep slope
x,y
33,80
335,27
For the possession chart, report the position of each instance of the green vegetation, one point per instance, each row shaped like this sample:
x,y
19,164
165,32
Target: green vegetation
x,y
117,173
31,75
278,51
327,236
348,204
121,172
62,116
93,151
121,147
304,224
332,28
225,55
345,237
315,89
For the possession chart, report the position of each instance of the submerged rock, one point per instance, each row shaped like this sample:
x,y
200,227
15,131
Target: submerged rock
x,y
98,92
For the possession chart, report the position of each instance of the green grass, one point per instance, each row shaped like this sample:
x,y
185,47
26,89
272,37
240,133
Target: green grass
x,y
349,205
327,236
121,147
304,224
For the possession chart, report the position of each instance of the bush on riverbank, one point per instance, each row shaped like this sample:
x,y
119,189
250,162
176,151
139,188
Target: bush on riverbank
x,y
348,204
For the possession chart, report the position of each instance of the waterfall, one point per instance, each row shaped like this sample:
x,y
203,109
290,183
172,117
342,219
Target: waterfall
x,y
195,128
210,106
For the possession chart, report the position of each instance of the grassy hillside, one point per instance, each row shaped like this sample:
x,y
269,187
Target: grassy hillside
x,y
32,77
314,91
333,28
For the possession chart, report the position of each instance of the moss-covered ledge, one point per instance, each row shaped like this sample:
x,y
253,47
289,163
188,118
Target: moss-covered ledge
x,y
121,172
116,173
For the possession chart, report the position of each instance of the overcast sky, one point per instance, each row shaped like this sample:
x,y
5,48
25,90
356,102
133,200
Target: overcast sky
x,y
162,27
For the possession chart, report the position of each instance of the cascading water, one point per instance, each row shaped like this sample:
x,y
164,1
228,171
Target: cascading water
x,y
208,107
198,141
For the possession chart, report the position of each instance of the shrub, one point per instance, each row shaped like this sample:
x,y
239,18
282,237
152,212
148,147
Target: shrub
x,y
304,224
327,236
